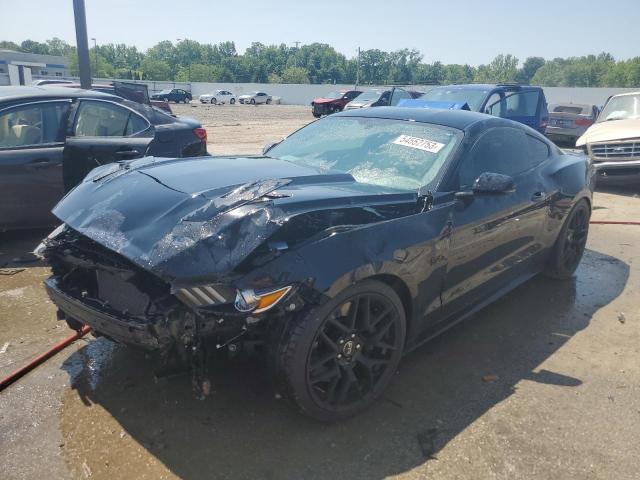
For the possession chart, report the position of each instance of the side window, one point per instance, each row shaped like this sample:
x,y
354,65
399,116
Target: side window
x,y
524,104
104,119
500,150
30,125
493,99
399,94
538,150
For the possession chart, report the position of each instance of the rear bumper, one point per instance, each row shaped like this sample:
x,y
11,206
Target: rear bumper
x,y
123,331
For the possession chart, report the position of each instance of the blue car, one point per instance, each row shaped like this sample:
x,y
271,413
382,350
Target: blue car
x,y
524,104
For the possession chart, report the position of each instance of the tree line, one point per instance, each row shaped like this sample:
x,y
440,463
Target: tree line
x,y
188,60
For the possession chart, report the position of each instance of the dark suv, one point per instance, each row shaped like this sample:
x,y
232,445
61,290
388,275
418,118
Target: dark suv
x,y
521,103
332,102
176,95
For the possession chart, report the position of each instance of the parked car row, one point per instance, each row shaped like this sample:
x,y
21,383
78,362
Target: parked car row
x,y
225,96
340,100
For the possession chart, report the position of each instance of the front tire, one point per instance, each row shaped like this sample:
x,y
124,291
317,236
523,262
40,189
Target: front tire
x,y
232,101
253,101
570,244
213,101
335,360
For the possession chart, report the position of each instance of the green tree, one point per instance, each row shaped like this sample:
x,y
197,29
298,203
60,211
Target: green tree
x,y
5,44
153,69
529,68
30,46
295,75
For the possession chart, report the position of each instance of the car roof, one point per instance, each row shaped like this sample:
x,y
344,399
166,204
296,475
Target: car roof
x,y
47,91
459,119
489,86
626,94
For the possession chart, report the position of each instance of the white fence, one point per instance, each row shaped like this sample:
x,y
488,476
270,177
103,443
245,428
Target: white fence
x,y
304,94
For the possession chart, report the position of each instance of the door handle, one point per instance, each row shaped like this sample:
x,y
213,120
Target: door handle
x,y
538,196
127,153
39,163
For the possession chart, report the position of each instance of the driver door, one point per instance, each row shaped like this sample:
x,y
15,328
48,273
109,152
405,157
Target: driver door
x,y
103,132
495,236
31,146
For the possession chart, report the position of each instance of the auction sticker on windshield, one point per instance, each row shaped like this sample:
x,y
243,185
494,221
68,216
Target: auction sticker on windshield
x,y
419,143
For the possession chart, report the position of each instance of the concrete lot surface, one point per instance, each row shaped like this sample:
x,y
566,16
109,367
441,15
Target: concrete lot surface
x,y
543,384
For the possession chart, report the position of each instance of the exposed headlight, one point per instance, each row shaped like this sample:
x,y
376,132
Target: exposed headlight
x,y
250,301
38,252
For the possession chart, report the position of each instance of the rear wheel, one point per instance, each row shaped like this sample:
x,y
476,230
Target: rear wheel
x,y
334,361
570,244
268,101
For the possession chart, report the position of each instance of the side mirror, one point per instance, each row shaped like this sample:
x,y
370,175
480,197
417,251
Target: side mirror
x,y
269,146
490,183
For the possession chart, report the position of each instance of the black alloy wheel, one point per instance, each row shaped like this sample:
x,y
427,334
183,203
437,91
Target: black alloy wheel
x,y
570,245
338,360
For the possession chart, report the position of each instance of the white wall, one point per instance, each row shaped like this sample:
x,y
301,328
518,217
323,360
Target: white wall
x,y
304,94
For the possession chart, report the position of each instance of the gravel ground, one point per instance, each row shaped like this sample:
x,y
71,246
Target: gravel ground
x,y
245,129
560,396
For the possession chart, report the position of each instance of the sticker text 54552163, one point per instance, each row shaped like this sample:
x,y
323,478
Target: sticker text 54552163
x,y
419,143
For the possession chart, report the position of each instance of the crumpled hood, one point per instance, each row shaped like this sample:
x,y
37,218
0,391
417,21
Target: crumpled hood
x,y
610,131
189,219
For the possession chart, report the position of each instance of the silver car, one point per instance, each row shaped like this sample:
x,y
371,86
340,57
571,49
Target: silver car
x,y
568,121
255,97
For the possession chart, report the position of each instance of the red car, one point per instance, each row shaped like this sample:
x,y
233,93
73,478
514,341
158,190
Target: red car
x,y
332,102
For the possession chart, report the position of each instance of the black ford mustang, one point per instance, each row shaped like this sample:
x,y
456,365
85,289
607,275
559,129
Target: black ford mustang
x,y
354,240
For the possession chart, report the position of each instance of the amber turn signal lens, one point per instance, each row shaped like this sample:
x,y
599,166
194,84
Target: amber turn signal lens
x,y
268,300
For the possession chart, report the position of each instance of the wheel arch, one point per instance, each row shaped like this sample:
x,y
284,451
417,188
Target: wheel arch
x,y
402,290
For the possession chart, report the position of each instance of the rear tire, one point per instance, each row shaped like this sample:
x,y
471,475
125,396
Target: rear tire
x,y
268,101
335,360
570,244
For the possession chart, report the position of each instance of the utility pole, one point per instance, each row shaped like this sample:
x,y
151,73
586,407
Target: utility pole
x,y
295,60
357,70
82,45
95,55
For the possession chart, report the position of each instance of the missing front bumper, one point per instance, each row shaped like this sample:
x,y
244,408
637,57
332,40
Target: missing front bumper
x,y
118,329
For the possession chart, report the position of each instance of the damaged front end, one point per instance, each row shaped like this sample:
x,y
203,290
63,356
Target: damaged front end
x,y
185,264
95,286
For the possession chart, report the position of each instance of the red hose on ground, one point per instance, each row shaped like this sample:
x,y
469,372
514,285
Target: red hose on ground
x,y
41,358
612,222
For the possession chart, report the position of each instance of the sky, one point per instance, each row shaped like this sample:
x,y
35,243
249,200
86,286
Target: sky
x,y
451,31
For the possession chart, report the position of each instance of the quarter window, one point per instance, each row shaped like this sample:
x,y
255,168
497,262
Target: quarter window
x,y
103,119
34,124
538,150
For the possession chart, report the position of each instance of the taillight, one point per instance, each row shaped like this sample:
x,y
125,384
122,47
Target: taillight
x,y
584,122
201,133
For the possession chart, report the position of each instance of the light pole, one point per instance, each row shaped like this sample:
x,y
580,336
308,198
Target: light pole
x,y
295,59
95,54
84,65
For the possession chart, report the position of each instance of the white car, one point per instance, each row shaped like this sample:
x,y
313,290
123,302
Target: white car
x,y
219,96
255,97
613,142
